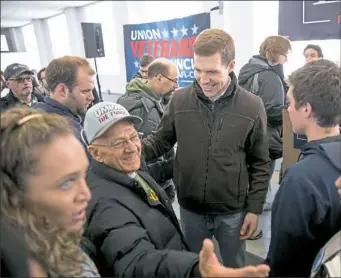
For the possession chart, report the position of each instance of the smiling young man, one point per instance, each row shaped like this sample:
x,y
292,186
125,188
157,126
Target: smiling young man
x,y
222,161
18,80
306,211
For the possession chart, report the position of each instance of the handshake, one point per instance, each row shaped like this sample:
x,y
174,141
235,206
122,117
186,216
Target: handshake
x,y
209,265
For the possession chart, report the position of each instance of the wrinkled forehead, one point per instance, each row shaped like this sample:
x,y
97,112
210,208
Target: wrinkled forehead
x,y
121,129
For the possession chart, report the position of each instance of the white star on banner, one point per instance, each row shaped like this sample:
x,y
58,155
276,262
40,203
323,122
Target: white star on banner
x,y
174,32
136,63
194,29
184,31
165,33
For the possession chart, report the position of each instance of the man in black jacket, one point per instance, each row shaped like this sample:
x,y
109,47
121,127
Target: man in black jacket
x,y
130,219
70,80
222,160
143,98
19,79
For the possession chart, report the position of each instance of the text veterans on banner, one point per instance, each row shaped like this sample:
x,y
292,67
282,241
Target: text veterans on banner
x,y
171,39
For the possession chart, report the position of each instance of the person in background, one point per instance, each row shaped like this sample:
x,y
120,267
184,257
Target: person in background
x,y
306,211
143,98
43,189
19,80
261,77
71,83
312,52
144,65
130,219
222,159
41,75
3,89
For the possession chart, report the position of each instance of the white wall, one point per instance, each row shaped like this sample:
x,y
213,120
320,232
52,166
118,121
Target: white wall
x,y
249,22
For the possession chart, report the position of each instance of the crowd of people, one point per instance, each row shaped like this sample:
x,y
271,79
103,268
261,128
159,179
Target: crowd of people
x,y
87,185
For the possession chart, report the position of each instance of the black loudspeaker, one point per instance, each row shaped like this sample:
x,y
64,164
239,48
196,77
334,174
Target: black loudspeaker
x,y
93,40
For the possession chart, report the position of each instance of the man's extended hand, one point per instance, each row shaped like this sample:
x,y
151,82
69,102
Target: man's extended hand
x,y
209,265
249,226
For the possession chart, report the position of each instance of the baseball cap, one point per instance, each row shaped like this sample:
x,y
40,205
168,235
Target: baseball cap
x,y
15,69
103,115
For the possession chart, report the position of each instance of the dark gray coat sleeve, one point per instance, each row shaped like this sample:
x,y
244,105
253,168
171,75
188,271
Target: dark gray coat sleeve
x,y
163,139
272,93
258,161
144,109
125,246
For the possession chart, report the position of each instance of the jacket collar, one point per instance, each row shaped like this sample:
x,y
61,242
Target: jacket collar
x,y
12,99
62,108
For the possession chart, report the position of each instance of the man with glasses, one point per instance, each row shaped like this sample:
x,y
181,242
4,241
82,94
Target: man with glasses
x,y
70,80
143,98
18,79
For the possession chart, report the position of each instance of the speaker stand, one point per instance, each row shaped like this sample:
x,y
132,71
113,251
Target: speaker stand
x,y
98,84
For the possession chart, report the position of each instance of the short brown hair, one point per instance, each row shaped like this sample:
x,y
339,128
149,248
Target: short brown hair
x,y
64,70
318,83
212,41
274,46
146,60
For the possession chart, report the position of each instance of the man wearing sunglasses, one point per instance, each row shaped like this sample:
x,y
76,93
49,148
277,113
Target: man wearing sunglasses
x,y
18,79
144,98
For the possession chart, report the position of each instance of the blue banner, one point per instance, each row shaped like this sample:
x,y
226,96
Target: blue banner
x,y
171,39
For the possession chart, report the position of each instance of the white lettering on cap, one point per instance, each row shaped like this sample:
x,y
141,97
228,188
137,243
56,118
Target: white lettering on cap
x,y
110,108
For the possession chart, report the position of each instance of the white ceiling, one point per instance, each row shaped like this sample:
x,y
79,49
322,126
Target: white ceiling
x,y
19,13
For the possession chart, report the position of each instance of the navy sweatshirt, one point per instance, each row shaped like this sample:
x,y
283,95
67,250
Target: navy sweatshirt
x,y
51,106
306,211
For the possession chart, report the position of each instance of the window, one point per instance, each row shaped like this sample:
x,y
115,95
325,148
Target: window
x,y
102,12
4,45
32,51
59,34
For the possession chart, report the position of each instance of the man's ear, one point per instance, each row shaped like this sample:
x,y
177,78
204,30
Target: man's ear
x,y
8,84
308,111
231,66
61,90
95,153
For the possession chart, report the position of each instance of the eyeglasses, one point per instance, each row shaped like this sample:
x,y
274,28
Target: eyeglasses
x,y
170,79
22,79
123,143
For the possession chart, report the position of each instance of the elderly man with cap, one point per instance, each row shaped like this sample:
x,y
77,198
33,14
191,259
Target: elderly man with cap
x,y
130,219
18,79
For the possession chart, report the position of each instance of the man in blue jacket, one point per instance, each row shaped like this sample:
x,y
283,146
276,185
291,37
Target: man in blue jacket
x,y
306,212
70,80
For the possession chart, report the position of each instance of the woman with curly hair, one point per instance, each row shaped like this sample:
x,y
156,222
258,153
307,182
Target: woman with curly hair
x,y
43,189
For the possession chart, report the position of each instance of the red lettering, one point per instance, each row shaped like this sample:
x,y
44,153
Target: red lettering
x,y
174,49
134,47
156,49
150,45
184,49
103,118
164,49
190,45
141,48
